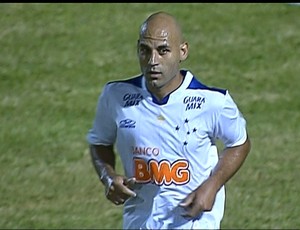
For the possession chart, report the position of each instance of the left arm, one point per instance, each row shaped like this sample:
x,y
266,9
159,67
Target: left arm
x,y
202,199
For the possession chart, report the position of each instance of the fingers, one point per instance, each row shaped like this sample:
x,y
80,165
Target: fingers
x,y
117,198
128,192
129,183
120,190
191,208
118,202
191,212
187,201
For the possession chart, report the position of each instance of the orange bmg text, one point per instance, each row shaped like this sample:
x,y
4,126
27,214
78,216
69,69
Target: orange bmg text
x,y
162,172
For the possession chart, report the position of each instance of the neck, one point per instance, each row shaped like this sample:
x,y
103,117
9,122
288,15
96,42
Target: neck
x,y
167,88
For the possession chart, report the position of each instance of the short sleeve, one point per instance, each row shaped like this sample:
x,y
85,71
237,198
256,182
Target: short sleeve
x,y
231,125
103,131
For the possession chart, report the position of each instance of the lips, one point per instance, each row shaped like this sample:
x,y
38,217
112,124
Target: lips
x,y
154,74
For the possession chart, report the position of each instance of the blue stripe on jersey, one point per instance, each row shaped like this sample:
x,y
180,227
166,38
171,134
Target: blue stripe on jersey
x,y
195,84
162,102
136,81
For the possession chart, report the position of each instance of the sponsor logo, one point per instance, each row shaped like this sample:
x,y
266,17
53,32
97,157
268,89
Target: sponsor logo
x,y
127,123
193,102
132,99
162,172
136,150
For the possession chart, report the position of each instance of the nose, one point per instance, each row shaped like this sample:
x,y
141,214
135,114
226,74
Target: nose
x,y
153,58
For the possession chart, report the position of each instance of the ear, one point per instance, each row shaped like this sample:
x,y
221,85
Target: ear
x,y
137,46
184,51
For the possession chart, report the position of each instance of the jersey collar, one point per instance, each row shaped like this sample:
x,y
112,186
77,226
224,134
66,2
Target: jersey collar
x,y
187,78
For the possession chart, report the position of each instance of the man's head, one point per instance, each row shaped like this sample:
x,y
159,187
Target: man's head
x,y
161,48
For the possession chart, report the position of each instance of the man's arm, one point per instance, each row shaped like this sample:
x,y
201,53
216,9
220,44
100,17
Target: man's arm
x,y
103,158
117,187
231,159
202,199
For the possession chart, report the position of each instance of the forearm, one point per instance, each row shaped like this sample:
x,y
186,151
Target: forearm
x,y
231,159
103,159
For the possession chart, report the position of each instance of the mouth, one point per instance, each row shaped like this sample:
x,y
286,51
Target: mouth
x,y
154,74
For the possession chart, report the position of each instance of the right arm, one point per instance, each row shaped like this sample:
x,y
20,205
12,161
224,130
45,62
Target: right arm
x,y
100,139
117,187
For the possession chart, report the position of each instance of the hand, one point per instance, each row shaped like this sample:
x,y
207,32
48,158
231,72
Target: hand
x,y
121,189
200,200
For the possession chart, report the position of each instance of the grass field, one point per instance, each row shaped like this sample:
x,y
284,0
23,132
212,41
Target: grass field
x,y
54,60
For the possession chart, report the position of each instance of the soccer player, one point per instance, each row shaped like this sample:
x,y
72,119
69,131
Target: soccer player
x,y
163,123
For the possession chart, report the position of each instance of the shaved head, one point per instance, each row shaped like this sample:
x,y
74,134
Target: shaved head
x,y
160,50
161,26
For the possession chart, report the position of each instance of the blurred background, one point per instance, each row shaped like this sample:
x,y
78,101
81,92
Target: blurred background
x,y
55,59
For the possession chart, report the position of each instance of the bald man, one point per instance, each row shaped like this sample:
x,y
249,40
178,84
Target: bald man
x,y
163,123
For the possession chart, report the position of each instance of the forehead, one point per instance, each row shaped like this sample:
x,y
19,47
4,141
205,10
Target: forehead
x,y
153,42
154,36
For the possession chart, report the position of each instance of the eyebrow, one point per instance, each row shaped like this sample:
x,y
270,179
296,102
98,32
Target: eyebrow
x,y
166,45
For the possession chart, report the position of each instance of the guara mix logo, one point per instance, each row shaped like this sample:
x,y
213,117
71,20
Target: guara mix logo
x,y
132,99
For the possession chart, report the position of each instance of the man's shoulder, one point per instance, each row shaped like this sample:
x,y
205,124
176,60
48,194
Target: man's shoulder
x,y
115,90
133,81
195,84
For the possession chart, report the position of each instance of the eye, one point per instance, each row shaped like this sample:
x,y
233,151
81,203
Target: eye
x,y
144,50
163,50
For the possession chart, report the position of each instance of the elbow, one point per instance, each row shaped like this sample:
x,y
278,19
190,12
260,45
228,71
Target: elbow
x,y
247,146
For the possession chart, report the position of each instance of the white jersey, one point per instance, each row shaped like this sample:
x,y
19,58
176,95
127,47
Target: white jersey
x,y
168,146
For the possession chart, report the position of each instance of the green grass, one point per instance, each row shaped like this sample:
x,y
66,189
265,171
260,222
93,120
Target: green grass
x,y
54,61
